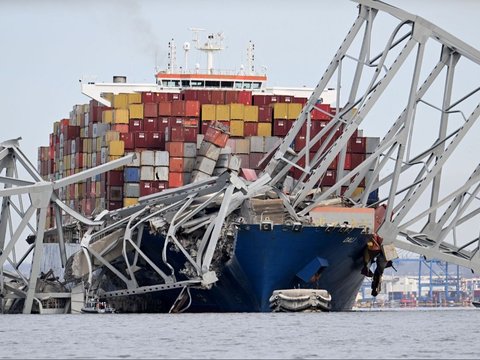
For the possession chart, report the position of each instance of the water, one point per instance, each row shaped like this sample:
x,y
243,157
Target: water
x,y
370,334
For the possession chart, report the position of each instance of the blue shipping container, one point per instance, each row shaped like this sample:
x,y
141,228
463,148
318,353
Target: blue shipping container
x,y
131,174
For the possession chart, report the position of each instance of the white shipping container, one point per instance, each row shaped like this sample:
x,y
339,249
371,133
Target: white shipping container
x,y
205,164
188,165
147,173
147,158
209,150
199,175
131,190
257,144
161,158
242,146
199,140
189,150
161,173
270,142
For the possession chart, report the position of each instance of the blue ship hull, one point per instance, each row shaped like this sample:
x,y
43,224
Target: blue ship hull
x,y
264,261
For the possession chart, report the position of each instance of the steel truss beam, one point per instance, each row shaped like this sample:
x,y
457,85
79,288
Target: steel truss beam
x,y
418,170
41,194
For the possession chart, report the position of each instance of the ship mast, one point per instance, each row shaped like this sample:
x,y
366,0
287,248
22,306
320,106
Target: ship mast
x,y
213,43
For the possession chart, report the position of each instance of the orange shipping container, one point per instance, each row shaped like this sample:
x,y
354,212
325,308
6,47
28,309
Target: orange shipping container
x,y
175,179
192,108
175,148
165,108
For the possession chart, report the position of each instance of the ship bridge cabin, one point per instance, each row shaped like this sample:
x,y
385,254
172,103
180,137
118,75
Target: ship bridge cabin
x,y
211,81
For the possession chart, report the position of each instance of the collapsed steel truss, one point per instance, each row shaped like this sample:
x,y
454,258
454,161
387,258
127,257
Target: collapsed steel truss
x,y
180,212
424,232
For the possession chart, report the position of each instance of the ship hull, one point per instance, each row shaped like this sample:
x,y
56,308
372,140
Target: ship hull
x,y
264,261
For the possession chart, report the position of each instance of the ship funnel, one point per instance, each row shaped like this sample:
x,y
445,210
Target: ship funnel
x,y
119,79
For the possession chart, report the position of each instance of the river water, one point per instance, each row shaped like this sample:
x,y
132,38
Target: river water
x,y
452,333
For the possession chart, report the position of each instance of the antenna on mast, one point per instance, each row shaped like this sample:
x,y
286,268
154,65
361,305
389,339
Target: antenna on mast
x,y
250,58
214,43
172,56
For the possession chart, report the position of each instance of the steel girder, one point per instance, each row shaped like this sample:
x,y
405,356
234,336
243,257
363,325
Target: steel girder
x,y
428,214
21,199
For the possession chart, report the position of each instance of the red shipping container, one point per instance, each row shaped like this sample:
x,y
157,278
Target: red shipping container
x,y
175,179
250,129
140,139
150,124
162,97
318,115
160,185
148,97
165,108
192,108
114,205
245,97
287,99
329,179
190,134
115,178
264,113
178,108
259,100
357,159
175,133
190,94
163,123
299,100
175,149
128,140
156,140
64,123
217,97
146,188
176,164
191,123
300,142
70,132
150,109
357,145
135,125
281,127
174,96
231,96
204,126
204,97
216,137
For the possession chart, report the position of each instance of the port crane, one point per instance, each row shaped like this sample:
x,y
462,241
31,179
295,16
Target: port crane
x,y
427,214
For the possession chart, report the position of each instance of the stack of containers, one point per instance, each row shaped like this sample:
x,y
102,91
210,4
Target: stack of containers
x,y
178,138
214,140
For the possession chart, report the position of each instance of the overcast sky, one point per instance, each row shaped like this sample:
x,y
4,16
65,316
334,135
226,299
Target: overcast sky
x,y
47,46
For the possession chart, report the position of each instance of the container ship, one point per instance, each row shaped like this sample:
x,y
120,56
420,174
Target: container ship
x,y
194,222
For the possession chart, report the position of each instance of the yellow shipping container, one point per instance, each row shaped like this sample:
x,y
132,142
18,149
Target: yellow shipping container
x,y
264,129
108,96
222,113
130,201
114,157
251,113
236,128
236,111
294,110
120,116
116,148
357,192
136,111
208,112
110,135
135,98
120,101
107,116
98,187
280,111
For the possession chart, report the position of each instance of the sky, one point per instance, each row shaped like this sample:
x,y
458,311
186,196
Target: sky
x,y
48,46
